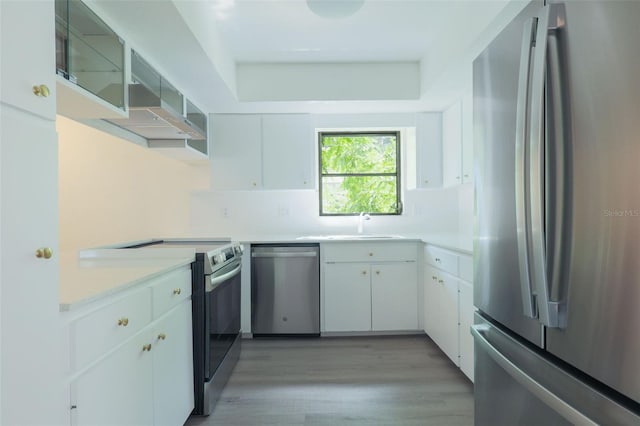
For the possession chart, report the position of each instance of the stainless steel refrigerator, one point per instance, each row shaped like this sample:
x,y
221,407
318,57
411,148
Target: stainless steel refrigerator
x,y
557,217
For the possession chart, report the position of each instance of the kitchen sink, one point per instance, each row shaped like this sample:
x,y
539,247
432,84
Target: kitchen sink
x,y
350,237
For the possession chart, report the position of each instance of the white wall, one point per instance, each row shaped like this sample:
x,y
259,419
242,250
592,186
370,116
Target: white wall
x,y
247,214
291,213
112,190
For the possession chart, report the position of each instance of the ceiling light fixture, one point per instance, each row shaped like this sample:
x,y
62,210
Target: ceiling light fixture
x,y
334,8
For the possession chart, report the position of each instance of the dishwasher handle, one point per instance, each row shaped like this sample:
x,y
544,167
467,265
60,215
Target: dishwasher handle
x,y
265,254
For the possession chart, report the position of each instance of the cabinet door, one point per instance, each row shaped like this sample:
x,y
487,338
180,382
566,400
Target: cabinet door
x,y
118,390
288,151
467,137
447,320
347,297
394,296
466,321
29,285
27,34
236,151
452,145
173,367
431,303
429,150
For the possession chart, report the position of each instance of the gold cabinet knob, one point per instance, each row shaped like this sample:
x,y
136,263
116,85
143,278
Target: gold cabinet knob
x,y
146,348
123,322
177,291
254,184
377,272
44,252
162,336
41,90
370,254
364,272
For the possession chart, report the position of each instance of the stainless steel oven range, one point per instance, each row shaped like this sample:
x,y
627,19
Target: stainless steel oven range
x,y
216,275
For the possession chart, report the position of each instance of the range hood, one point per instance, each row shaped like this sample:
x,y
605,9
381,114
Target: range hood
x,y
152,117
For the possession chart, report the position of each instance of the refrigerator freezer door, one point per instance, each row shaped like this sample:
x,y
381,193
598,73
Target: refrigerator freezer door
x,y
599,47
497,289
514,384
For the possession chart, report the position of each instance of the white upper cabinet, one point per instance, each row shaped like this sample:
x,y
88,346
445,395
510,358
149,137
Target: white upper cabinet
x,y
467,137
428,150
287,151
28,58
252,151
452,145
236,151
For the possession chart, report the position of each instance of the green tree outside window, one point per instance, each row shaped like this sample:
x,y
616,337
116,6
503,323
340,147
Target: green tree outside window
x,y
360,172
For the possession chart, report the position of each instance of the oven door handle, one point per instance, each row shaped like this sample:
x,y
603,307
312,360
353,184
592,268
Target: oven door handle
x,y
213,282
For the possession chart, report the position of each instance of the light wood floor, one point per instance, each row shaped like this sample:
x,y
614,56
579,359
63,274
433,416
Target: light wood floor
x,y
403,380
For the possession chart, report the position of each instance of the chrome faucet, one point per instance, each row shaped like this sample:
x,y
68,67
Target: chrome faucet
x,y
363,216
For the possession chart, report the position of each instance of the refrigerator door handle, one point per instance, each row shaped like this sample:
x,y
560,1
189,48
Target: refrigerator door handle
x,y
558,164
548,311
567,411
521,184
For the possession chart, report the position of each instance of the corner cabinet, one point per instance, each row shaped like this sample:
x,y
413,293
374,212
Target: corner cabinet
x,y
448,304
428,150
131,356
369,287
262,151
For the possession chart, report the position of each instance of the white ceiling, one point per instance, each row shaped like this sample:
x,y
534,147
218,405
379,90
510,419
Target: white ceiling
x,y
198,44
381,30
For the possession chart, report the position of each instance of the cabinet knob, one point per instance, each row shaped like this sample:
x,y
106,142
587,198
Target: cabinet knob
x,y
433,277
177,291
426,181
441,281
458,177
370,254
364,272
377,272
123,322
437,259
162,336
254,184
41,90
146,348
44,252
466,175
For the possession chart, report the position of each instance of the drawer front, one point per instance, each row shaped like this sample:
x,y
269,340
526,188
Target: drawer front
x,y
466,268
104,329
442,259
170,289
370,252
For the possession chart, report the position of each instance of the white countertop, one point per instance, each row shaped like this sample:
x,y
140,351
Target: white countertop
x,y
451,242
101,273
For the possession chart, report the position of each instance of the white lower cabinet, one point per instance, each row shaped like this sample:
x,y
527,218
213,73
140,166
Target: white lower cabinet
x,y
394,289
117,390
448,305
347,295
172,376
140,379
370,287
466,321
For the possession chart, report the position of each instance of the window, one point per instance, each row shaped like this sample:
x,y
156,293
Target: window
x,y
359,172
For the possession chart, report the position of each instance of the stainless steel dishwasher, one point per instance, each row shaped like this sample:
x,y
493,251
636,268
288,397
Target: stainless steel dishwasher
x,y
285,289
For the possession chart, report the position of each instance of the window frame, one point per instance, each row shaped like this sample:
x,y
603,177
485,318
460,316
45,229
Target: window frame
x,y
397,174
